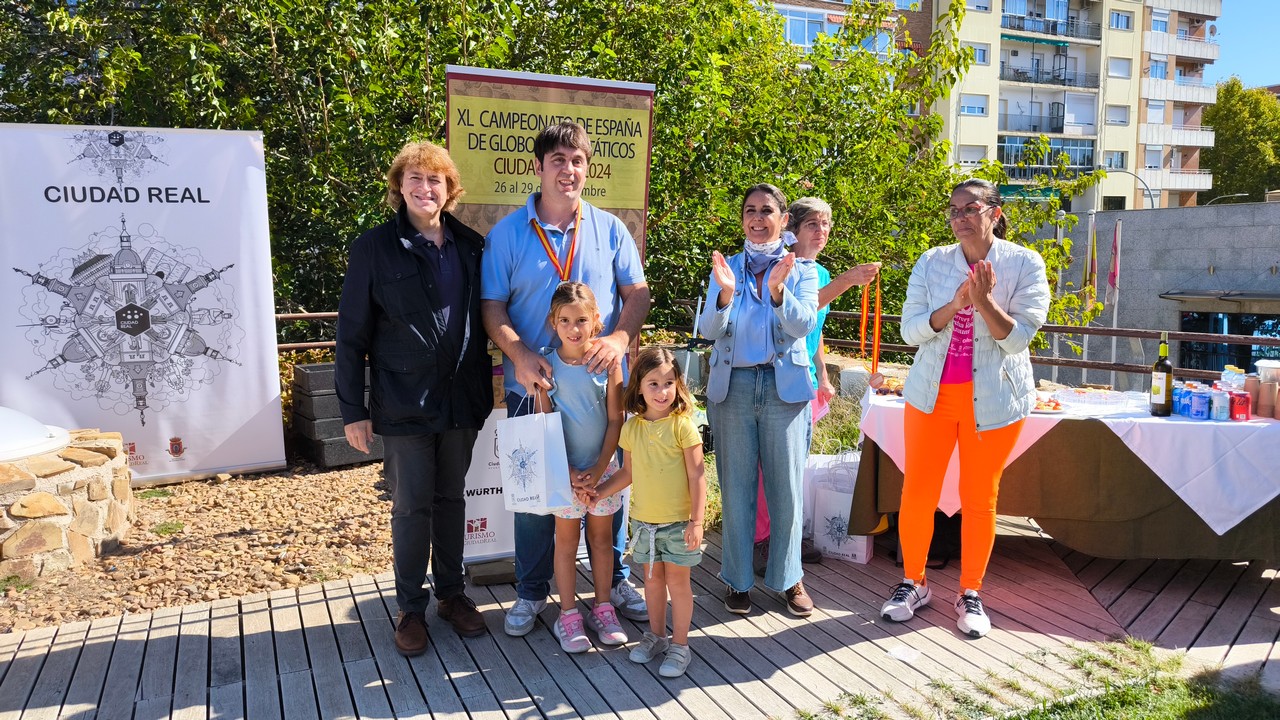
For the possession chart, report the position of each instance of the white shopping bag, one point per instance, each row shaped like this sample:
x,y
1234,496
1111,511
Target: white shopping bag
x,y
535,468
831,526
835,471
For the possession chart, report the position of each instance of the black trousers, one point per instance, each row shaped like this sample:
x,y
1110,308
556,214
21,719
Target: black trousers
x,y
427,475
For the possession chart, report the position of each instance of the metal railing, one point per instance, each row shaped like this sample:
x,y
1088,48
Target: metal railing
x,y
1196,346
1031,172
1193,81
1193,339
1017,122
1066,78
1061,28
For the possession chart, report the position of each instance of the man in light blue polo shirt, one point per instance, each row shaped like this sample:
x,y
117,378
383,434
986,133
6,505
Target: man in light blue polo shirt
x,y
558,236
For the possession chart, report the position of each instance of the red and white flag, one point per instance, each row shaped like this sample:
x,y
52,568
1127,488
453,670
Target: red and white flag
x,y
1113,275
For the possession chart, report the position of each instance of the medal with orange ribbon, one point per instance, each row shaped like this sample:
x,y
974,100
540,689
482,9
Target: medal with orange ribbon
x,y
875,331
561,270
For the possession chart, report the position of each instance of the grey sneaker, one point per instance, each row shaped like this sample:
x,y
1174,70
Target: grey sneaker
x,y
649,647
676,662
902,604
629,603
522,616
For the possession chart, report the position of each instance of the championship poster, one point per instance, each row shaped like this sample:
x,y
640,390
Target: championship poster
x,y
135,277
494,116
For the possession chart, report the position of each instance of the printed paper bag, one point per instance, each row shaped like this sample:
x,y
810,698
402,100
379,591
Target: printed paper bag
x,y
535,468
831,527
832,471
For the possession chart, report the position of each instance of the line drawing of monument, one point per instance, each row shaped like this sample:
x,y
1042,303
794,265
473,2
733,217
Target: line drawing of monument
x,y
129,331
118,154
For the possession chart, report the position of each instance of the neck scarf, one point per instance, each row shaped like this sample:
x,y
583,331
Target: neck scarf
x,y
760,256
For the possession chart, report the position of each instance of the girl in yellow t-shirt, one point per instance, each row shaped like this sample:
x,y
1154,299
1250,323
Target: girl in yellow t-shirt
x,y
662,457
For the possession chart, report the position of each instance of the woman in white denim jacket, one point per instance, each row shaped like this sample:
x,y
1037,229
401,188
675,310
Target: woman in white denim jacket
x,y
972,308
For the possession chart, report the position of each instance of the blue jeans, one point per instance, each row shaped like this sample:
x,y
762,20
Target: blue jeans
x,y
756,431
536,536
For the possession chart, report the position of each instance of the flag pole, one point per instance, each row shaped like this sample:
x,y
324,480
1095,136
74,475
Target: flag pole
x,y
1113,289
1058,234
1088,263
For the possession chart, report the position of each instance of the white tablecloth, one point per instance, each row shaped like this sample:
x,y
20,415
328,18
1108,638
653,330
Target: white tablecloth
x,y
1223,470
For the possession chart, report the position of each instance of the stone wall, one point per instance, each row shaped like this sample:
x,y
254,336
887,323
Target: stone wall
x,y
64,508
1216,248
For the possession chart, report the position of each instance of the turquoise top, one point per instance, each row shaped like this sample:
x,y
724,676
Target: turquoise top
x,y
812,339
580,397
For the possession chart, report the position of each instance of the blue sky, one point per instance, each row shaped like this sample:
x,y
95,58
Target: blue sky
x,y
1250,48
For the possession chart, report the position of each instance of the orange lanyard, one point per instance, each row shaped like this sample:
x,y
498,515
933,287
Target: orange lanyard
x,y
561,270
875,337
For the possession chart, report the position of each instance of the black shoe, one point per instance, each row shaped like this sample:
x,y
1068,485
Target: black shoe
x,y
760,557
738,603
809,553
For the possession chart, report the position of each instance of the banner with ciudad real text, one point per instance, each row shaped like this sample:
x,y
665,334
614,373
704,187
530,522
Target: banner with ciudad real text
x,y
493,118
136,293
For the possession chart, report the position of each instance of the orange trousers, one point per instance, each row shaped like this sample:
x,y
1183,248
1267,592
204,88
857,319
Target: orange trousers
x,y
930,438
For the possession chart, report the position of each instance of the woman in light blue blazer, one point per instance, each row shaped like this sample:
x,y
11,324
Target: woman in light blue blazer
x,y
761,303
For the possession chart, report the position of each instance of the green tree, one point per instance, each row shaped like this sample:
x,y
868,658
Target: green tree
x,y
1245,157
337,86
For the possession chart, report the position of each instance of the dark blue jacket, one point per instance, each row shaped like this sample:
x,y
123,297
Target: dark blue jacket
x,y
419,381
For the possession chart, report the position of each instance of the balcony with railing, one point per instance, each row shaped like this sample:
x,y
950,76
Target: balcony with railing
x,y
1059,28
1177,179
1028,173
1178,135
1206,8
1023,123
1065,78
1184,46
1184,89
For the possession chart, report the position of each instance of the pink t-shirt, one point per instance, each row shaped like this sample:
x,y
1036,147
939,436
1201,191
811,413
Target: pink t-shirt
x,y
958,367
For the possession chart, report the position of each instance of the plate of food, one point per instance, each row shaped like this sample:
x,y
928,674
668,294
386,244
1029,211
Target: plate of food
x,y
1048,406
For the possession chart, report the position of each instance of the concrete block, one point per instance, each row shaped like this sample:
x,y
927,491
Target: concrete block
x,y
319,407
317,378
494,572
853,381
325,429
336,452
314,379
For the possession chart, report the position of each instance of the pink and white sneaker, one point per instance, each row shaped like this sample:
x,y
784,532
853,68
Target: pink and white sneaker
x,y
604,620
569,631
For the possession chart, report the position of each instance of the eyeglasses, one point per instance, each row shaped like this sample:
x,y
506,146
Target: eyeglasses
x,y
968,212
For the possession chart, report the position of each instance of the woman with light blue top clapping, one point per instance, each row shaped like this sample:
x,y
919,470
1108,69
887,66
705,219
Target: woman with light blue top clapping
x,y
761,303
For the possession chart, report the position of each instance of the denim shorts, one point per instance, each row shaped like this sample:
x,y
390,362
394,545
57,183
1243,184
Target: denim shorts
x,y
662,543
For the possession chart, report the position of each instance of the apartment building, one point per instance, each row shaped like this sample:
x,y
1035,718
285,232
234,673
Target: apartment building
x,y
1177,43
1111,83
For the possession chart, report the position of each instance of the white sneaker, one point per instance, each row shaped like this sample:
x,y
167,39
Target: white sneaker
x,y
522,616
676,662
972,617
629,603
568,630
649,647
901,605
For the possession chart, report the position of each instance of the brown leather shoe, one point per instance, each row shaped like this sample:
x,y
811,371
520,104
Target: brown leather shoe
x,y
798,601
411,634
738,603
461,612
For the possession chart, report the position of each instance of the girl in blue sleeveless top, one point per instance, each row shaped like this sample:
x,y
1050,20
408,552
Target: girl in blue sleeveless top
x,y
590,407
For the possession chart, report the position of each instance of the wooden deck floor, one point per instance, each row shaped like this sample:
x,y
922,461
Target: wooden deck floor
x,y
325,651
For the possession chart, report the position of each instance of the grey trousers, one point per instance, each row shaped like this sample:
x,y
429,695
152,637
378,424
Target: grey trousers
x,y
427,475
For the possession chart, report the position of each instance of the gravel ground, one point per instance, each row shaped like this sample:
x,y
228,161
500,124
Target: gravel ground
x,y
206,540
